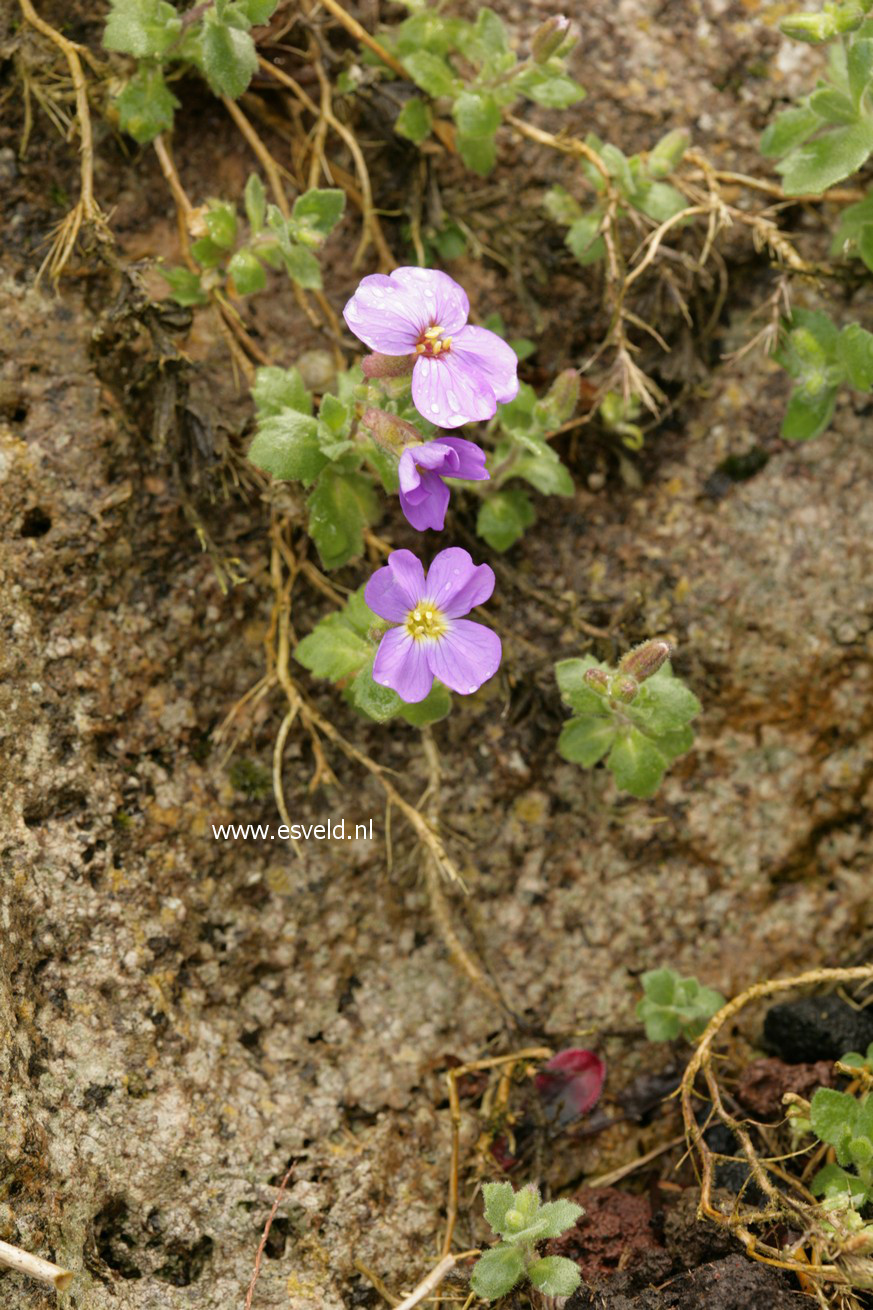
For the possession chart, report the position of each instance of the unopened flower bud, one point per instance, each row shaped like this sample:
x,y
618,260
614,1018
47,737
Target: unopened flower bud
x,y
624,689
563,395
390,432
387,366
549,37
641,662
812,28
597,680
849,16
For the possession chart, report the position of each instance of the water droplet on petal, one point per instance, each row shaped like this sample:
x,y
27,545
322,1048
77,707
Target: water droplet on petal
x,y
453,400
472,689
434,409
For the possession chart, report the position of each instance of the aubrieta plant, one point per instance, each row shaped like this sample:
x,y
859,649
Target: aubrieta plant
x,y
472,70
673,1006
521,1220
637,716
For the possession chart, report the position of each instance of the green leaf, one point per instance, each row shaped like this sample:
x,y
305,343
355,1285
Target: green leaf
x,y
636,764
855,350
318,211
377,702
145,106
586,740
220,220
661,1025
833,106
143,28
436,705
808,416
668,152
276,389
618,167
333,649
499,1198
431,73
548,85
478,152
286,445
829,159
659,985
560,1215
496,1272
247,272
673,744
414,120
659,201
340,507
503,518
554,1275
184,286
561,206
207,253
258,12
664,704
859,66
476,113
303,268
490,34
256,203
584,240
575,691
229,57
335,415
835,1184
832,1116
788,130
546,473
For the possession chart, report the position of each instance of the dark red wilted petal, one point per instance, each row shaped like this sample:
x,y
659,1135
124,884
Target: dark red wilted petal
x,y
502,1154
571,1083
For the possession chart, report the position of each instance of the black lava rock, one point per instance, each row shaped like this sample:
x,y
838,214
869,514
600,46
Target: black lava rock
x,y
817,1028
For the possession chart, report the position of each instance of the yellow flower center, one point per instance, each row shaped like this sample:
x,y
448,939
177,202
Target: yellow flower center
x,y
425,622
432,343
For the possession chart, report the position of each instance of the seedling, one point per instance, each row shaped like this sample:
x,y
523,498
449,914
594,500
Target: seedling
x,y
673,1006
521,1220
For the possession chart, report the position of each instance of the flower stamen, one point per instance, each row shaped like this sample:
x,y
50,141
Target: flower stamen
x,y
425,622
432,343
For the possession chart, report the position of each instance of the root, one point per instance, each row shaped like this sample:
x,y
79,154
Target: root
x,y
86,209
830,1259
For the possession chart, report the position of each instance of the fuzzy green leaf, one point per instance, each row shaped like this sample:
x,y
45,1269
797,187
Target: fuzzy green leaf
x,y
575,691
559,1215
436,705
503,518
184,286
146,105
220,220
340,507
661,1025
377,702
414,120
247,272
546,473
554,1275
584,240
431,73
660,201
859,67
829,159
664,704
549,85
496,1272
258,12
476,114
318,211
586,740
499,1198
478,152
832,106
834,1184
855,350
808,416
333,649
659,985
229,57
142,28
256,203
788,131
832,1115
303,268
286,445
276,389
636,764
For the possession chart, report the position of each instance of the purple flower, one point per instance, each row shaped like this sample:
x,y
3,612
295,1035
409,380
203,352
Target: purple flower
x,y
424,497
432,640
460,371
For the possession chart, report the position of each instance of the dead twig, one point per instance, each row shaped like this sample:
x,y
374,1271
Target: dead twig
x,y
35,1267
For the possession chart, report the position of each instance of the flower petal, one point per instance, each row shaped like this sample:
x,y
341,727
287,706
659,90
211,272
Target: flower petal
x,y
392,591
450,392
445,301
478,348
471,459
465,656
385,316
425,506
455,584
401,664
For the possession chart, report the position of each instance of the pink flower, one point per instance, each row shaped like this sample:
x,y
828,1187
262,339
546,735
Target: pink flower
x,y
460,371
431,639
424,497
571,1083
